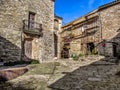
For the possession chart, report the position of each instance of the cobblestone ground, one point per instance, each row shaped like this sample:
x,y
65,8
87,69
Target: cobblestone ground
x,y
88,73
100,75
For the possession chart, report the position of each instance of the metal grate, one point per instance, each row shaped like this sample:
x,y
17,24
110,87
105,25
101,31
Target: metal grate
x,y
32,26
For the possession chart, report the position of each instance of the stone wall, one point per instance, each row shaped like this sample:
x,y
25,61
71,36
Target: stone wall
x,y
75,47
12,14
107,23
44,10
110,18
80,38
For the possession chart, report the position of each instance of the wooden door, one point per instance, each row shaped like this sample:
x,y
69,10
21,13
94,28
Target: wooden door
x,y
28,48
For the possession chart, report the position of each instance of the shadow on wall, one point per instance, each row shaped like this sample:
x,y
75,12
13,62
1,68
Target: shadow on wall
x,y
110,47
10,52
9,55
116,44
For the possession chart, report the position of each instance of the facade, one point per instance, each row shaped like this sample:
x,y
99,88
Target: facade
x,y
57,38
95,32
26,30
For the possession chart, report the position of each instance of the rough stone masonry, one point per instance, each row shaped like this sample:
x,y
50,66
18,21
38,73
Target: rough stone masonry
x,y
88,32
12,14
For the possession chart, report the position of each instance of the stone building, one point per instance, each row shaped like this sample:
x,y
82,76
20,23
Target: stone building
x,y
26,29
95,32
57,38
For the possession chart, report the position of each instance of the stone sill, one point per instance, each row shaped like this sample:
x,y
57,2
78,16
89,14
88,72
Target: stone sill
x,y
32,32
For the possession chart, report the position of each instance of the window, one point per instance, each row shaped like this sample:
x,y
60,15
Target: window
x,y
31,20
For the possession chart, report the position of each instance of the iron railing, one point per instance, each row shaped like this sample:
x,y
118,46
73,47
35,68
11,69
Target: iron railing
x,y
32,27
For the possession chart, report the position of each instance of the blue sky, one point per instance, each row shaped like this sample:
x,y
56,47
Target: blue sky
x,y
72,9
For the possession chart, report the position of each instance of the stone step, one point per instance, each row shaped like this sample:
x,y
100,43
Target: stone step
x,y
11,73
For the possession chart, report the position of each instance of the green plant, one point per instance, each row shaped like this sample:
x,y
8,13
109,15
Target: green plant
x,y
93,52
75,57
34,62
80,55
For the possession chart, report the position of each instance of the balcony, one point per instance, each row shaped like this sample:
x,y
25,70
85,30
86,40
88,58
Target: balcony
x,y
32,28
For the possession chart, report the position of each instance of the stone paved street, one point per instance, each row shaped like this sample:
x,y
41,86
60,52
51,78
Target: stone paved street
x,y
88,73
99,75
